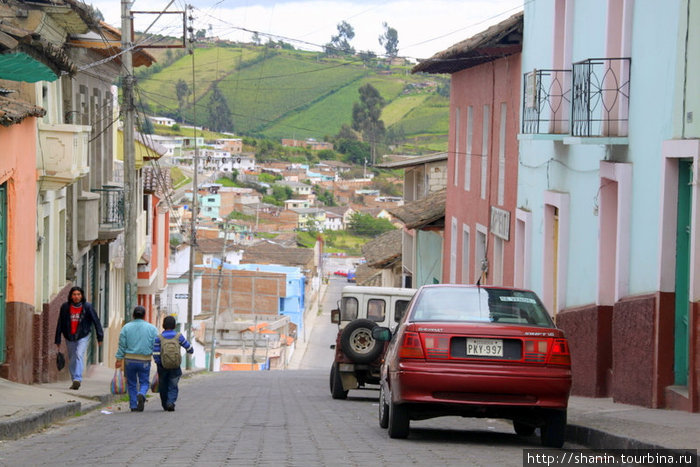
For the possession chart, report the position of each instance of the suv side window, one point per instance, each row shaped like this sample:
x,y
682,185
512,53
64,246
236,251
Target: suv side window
x,y
348,309
400,309
376,309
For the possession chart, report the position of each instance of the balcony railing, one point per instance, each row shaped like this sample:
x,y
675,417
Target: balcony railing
x,y
111,210
600,97
546,102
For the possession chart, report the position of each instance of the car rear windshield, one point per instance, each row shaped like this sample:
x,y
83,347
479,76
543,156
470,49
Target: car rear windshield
x,y
480,304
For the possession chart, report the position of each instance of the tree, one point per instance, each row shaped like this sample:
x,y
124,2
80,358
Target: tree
x,y
326,155
340,43
219,115
346,132
390,41
325,196
146,126
367,56
181,91
281,193
366,117
356,152
256,38
368,226
200,34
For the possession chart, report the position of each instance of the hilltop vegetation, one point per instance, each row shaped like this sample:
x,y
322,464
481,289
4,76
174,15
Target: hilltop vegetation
x,y
281,93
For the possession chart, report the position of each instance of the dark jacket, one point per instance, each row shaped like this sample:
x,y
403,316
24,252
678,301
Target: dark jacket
x,y
87,320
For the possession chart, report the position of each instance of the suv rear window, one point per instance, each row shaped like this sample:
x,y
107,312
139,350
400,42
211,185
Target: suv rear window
x,y
481,304
376,309
348,309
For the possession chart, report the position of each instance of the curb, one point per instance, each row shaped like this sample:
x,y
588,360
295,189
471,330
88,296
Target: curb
x,y
14,429
598,439
593,438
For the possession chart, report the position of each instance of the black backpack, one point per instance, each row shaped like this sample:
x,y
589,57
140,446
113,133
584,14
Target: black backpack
x,y
170,351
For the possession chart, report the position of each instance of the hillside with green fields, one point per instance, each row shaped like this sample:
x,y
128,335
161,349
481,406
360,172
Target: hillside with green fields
x,y
282,93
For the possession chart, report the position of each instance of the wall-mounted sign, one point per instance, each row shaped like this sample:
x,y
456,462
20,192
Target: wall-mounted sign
x,y
182,295
500,223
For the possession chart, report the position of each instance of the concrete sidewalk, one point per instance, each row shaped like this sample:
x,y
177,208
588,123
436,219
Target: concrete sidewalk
x,y
27,408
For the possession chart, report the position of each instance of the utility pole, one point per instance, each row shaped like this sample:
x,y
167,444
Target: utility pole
x,y
255,334
130,180
195,200
218,299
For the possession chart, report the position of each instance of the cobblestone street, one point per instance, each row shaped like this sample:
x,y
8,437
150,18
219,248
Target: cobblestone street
x,y
263,418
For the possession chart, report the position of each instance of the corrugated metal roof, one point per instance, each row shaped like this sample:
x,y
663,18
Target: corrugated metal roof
x,y
410,161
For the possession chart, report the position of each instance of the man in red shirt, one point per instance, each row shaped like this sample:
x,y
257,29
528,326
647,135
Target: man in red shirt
x,y
75,321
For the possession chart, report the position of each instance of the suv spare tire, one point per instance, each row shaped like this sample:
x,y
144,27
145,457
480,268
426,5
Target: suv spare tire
x,y
357,342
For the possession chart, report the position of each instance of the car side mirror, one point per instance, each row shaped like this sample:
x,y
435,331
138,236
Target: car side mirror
x,y
381,334
335,316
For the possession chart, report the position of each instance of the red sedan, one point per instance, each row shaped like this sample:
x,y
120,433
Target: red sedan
x,y
476,352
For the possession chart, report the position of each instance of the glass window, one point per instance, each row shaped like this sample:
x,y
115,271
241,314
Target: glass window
x,y
400,309
481,304
348,309
376,309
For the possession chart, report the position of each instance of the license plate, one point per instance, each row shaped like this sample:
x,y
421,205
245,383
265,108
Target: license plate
x,y
485,347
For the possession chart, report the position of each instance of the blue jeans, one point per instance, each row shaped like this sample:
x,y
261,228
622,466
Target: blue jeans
x,y
167,384
76,357
136,372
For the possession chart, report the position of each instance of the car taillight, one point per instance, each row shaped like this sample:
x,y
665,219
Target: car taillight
x,y
535,350
436,345
411,346
559,353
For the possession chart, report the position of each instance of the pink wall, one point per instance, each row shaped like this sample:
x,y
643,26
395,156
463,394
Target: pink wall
x,y
18,170
487,84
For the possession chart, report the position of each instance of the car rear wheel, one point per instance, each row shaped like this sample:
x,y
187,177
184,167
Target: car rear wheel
x,y
523,429
357,342
399,422
553,432
383,409
337,391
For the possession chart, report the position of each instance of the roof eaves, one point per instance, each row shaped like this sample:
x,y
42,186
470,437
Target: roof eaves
x,y
500,40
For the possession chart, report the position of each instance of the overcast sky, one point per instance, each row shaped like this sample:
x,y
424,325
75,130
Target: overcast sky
x,y
424,26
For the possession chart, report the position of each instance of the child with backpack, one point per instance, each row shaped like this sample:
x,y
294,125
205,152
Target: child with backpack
x,y
166,353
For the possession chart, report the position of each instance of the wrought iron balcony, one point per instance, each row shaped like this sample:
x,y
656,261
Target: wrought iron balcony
x,y
111,211
546,102
600,97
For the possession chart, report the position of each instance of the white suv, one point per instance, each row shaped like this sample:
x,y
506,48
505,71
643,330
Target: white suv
x,y
357,354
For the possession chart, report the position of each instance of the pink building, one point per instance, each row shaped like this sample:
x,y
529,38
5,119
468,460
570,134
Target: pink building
x,y
482,153
18,133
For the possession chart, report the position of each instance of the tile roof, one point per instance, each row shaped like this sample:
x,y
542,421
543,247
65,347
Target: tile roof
x,y
271,253
420,213
157,180
500,40
213,245
14,111
365,275
383,250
